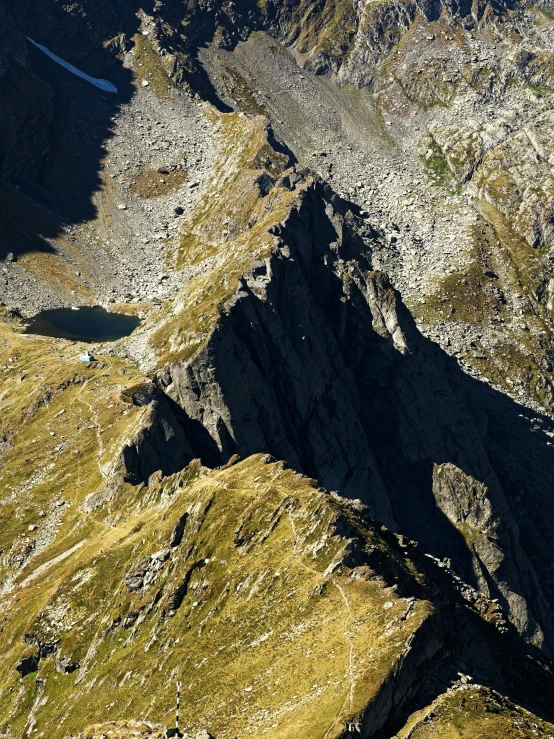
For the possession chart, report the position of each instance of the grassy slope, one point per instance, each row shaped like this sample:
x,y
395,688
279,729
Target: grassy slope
x,y
64,423
264,640
474,712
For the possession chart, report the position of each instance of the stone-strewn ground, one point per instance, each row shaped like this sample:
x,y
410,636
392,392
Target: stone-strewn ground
x,y
270,326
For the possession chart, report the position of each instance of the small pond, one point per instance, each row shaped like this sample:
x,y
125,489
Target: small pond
x,y
86,324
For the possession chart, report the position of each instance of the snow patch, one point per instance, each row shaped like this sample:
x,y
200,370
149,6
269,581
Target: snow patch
x,y
104,85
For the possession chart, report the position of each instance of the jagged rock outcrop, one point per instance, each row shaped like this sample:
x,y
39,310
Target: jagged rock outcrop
x,y
174,569
168,440
160,444
316,361
340,37
350,39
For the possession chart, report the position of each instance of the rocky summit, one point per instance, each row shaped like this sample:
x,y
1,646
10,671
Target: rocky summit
x,y
311,494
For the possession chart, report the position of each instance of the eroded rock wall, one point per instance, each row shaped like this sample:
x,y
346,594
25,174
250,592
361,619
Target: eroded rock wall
x,y
316,361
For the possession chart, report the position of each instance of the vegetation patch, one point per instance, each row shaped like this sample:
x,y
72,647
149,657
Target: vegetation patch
x,y
474,712
238,89
153,183
435,164
527,264
54,269
470,296
149,68
264,639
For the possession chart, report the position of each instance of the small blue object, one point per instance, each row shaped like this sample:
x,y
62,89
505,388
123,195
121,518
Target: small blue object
x,y
86,357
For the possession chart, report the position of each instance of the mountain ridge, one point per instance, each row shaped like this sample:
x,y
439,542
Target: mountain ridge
x,y
271,326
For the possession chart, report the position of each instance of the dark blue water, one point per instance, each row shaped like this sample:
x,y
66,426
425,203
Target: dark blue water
x,y
85,324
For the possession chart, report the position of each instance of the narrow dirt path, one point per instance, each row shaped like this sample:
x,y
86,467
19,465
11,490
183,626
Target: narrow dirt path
x,y
95,423
348,637
348,704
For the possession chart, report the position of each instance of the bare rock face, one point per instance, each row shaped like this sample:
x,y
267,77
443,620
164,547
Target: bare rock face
x,y
274,375
166,441
311,358
143,573
480,513
316,361
460,497
160,444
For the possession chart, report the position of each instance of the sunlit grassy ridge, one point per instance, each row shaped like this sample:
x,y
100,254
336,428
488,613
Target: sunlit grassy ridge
x,y
267,637
226,232
62,427
474,712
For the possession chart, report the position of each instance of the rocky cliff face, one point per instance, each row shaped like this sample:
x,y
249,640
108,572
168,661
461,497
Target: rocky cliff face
x,y
134,548
447,147
316,361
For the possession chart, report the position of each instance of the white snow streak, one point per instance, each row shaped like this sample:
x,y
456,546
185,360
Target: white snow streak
x,y
101,84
